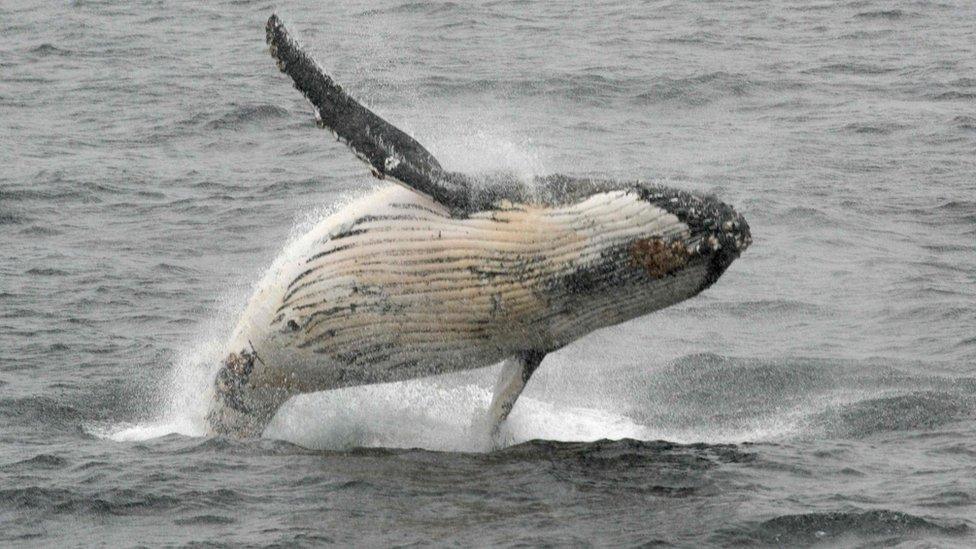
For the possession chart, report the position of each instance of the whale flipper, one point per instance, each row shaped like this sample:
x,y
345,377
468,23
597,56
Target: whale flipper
x,y
515,373
389,151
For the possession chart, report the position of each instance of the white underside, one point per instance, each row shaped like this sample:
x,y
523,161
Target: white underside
x,y
425,293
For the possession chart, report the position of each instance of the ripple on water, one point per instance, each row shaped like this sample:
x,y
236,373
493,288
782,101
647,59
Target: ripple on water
x,y
777,307
45,50
247,114
40,230
116,501
626,453
40,461
430,9
697,90
965,122
948,498
952,95
204,520
8,218
840,527
48,411
882,14
875,128
46,271
911,412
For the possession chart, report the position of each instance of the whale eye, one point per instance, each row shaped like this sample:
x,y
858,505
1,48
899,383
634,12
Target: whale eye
x,y
293,326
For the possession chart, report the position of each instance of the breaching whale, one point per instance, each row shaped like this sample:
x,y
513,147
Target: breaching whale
x,y
446,272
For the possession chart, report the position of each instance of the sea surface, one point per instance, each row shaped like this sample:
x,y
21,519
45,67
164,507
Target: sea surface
x,y
154,163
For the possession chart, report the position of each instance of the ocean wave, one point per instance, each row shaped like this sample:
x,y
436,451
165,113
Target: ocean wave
x,y
906,412
40,230
795,399
697,37
697,90
425,8
56,413
841,527
807,213
948,498
867,34
7,218
38,462
965,206
114,501
288,187
204,520
169,268
955,210
965,449
246,114
761,307
49,49
877,128
627,452
966,343
47,271
595,86
48,194
464,24
882,14
952,95
948,248
851,67
61,186
585,87
964,122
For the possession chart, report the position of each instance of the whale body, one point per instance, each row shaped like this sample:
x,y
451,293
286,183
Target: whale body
x,y
442,272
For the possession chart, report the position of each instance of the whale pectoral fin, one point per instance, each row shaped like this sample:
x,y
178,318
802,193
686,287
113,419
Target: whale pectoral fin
x,y
515,373
389,151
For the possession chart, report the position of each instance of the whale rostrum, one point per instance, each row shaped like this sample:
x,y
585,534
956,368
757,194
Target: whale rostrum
x,y
446,272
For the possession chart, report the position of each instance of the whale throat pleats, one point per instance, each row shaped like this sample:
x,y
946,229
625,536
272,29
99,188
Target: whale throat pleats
x,y
408,287
389,151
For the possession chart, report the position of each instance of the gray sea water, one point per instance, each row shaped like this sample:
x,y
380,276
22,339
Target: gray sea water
x,y
155,162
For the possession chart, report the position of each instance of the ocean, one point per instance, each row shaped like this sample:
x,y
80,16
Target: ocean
x,y
822,393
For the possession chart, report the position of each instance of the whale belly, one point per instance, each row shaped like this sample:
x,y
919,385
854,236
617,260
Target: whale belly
x,y
394,288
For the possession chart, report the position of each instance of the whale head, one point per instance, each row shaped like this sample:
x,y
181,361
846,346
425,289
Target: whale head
x,y
716,234
712,235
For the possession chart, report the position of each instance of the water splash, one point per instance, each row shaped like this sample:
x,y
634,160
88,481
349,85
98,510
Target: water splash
x,y
186,394
435,415
478,141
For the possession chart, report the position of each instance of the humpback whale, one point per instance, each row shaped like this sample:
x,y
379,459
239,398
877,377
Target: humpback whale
x,y
442,272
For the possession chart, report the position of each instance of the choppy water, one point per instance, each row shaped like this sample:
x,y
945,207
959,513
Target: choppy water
x,y
154,163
